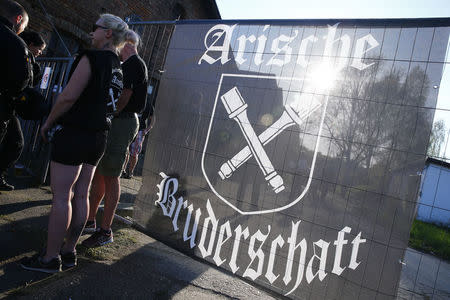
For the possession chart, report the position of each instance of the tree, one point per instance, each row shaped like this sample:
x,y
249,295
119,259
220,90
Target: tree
x,y
377,112
437,138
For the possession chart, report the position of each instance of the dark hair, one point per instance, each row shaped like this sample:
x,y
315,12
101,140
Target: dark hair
x,y
32,37
10,9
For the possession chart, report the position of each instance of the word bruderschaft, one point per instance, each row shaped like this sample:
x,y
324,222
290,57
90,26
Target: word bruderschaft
x,y
219,232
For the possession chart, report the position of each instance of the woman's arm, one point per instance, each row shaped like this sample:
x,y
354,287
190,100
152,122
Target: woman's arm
x,y
70,94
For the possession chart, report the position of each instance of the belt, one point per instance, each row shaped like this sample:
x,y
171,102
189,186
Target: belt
x,y
126,115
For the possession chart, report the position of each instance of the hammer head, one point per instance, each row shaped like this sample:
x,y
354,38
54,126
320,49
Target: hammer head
x,y
233,101
302,107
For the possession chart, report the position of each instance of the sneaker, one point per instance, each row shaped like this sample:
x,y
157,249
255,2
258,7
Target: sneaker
x,y
69,260
128,175
99,238
90,227
36,263
4,186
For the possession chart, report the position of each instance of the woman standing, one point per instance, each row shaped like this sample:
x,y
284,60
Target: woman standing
x,y
79,140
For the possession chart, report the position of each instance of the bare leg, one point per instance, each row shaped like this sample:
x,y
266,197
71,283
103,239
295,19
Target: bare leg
x,y
133,162
126,161
63,178
112,195
80,207
96,195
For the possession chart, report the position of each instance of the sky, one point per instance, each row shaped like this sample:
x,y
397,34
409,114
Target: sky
x,y
351,9
326,9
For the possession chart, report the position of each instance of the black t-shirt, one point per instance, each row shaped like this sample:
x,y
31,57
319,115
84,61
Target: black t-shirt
x,y
90,111
135,77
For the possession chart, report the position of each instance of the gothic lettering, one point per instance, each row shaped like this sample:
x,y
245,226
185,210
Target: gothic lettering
x,y
216,234
219,34
258,254
218,44
214,223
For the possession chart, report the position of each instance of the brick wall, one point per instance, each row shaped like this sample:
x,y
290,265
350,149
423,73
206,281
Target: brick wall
x,y
74,19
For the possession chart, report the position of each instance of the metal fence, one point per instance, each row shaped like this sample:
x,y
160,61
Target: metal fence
x,y
155,38
35,158
376,195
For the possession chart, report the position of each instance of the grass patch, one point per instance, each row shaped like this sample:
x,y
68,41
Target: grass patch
x,y
430,238
122,240
7,218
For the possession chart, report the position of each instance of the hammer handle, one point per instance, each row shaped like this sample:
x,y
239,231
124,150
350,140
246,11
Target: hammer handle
x,y
254,144
237,109
265,137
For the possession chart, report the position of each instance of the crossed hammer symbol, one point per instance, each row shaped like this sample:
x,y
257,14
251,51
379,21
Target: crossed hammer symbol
x,y
237,110
113,101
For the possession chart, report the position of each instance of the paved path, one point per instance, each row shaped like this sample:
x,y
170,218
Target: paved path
x,y
424,277
135,266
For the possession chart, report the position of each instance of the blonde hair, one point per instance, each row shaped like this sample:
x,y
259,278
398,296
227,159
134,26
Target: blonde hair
x,y
119,28
133,38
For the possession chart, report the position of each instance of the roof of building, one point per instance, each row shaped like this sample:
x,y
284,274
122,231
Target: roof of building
x,y
439,162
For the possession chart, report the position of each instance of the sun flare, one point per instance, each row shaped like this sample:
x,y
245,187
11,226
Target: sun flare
x,y
323,77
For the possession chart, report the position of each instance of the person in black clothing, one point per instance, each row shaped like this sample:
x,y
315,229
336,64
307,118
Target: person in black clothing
x,y
34,41
106,182
36,46
79,139
16,75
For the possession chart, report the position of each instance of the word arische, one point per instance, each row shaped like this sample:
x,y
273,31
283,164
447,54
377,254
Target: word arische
x,y
218,44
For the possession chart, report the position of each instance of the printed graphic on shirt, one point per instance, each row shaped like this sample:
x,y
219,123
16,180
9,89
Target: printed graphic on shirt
x,y
115,89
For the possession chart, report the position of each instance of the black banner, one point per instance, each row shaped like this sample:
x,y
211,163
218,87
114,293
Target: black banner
x,y
290,153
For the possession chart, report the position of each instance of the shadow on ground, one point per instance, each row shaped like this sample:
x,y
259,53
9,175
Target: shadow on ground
x,y
135,266
23,227
144,273
6,209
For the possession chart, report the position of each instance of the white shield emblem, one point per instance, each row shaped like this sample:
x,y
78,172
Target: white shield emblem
x,y
262,142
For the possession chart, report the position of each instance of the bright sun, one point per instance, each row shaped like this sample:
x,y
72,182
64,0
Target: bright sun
x,y
323,77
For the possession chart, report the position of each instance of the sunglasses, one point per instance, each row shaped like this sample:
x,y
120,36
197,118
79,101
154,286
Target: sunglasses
x,y
96,26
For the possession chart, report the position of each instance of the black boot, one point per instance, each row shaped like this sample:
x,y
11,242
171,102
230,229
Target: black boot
x,y
4,186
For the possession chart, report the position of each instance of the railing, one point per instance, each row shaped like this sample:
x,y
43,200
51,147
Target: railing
x,y
155,38
35,155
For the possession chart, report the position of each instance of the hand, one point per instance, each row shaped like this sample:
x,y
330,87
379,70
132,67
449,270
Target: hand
x,y
44,129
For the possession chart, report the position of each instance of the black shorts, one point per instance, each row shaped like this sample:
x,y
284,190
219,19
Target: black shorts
x,y
72,146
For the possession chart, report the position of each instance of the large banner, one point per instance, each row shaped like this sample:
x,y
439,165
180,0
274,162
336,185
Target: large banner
x,y
290,153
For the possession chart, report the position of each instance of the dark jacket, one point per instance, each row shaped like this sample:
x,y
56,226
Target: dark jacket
x,y
37,74
15,67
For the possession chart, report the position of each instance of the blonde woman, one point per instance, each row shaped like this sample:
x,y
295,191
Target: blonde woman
x,y
80,125
125,125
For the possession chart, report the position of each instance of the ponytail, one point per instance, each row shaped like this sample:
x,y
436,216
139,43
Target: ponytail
x,y
118,26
